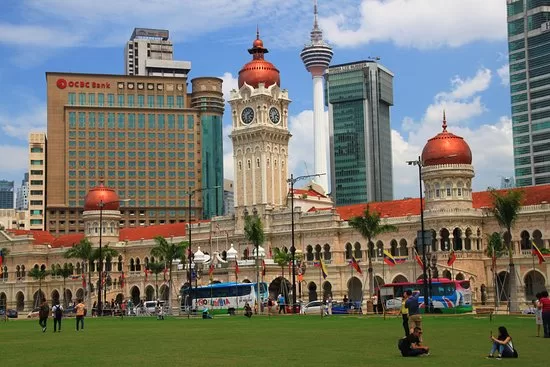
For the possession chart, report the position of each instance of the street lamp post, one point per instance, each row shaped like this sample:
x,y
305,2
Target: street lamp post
x,y
292,180
101,205
418,163
189,252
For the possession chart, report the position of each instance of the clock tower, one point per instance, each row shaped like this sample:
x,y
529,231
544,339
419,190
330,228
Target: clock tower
x,y
259,110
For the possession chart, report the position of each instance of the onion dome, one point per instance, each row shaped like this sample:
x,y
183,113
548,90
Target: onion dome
x,y
259,70
446,148
101,196
199,257
261,251
231,253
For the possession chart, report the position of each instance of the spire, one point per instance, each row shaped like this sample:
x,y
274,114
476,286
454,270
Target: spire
x,y
315,22
257,31
316,32
444,122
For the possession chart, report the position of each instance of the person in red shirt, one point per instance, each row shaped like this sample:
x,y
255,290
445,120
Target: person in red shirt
x,y
544,305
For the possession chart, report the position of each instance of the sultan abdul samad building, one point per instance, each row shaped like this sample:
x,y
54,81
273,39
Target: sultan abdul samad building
x,y
458,218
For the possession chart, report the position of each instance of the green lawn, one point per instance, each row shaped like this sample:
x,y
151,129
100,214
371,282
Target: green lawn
x,y
261,341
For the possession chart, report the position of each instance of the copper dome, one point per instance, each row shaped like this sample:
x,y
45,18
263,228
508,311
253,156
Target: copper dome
x,y
259,70
101,194
446,148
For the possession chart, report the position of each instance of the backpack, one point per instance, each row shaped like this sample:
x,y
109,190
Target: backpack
x,y
58,312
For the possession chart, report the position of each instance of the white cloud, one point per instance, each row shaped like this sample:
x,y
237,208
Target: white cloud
x,y
300,147
504,74
20,126
418,23
37,35
229,83
469,87
14,162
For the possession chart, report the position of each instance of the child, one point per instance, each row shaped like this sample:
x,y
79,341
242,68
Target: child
x,y
504,345
538,313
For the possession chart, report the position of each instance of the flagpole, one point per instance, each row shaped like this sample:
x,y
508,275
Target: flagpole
x,y
320,282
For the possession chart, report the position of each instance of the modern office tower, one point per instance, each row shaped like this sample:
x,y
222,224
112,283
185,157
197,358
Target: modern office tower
x,y
529,57
149,52
316,57
22,198
359,97
228,198
142,136
6,194
37,180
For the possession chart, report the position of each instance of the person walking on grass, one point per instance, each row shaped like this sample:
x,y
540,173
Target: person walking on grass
x,y
544,306
415,319
281,301
80,313
43,313
57,314
405,314
538,313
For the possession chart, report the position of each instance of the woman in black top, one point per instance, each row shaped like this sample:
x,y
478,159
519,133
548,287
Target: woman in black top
x,y
503,342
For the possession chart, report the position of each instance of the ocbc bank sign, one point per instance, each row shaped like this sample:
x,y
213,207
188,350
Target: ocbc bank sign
x,y
63,83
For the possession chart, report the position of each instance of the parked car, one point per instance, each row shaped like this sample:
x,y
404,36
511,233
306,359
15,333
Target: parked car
x,y
34,313
69,311
12,314
314,308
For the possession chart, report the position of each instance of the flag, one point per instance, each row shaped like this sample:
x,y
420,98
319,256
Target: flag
x,y
300,275
388,258
535,250
323,269
1,261
121,279
400,259
418,259
452,258
211,271
354,264
263,268
84,281
147,272
164,274
237,270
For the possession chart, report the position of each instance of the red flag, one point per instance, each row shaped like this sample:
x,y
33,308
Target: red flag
x,y
237,271
121,279
146,273
452,258
263,268
418,259
536,252
211,269
388,258
164,273
354,264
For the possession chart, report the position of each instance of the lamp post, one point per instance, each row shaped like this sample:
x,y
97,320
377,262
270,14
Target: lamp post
x,y
418,163
189,252
101,205
292,180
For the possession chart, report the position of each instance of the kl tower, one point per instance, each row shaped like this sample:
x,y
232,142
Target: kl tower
x,y
316,57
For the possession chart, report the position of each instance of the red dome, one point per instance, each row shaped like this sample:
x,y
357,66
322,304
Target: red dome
x,y
101,194
446,148
259,70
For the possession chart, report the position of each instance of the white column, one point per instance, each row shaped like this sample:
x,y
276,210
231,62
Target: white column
x,y
264,176
319,133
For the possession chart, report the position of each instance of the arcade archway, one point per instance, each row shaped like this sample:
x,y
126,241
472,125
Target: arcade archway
x,y
278,286
534,283
355,290
312,291
135,295
20,299
503,286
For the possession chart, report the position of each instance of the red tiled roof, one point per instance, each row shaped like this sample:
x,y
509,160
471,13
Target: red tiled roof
x,y
399,208
309,192
40,237
150,232
68,240
314,209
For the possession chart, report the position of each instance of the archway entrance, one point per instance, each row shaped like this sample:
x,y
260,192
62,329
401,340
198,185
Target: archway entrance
x,y
447,274
163,292
355,290
80,294
312,291
278,286
378,281
400,279
459,276
149,293
135,295
119,298
68,297
534,283
37,298
327,290
3,301
20,299
503,286
55,297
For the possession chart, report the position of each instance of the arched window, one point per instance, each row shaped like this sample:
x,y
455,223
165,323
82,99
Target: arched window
x,y
459,187
78,269
537,238
349,251
5,273
138,264
468,240
326,252
403,249
108,263
437,190
444,241
525,240
457,239
309,253
317,252
119,264
132,265
18,271
357,250
23,274
448,188
393,248
372,253
380,249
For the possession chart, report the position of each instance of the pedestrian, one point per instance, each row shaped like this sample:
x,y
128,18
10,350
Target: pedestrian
x,y
329,305
502,343
80,313
247,310
281,301
544,306
538,313
94,309
43,313
375,303
345,300
122,309
405,314
415,319
57,314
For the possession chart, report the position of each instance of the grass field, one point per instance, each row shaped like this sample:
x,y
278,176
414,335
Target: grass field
x,y
261,341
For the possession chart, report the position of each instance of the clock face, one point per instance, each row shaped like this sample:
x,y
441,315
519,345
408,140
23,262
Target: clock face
x,y
247,115
274,115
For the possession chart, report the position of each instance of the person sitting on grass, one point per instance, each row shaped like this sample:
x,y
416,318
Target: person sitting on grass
x,y
410,346
502,343
247,310
205,314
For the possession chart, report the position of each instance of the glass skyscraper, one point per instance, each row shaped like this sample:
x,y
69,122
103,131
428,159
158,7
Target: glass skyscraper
x,y
529,56
359,97
6,194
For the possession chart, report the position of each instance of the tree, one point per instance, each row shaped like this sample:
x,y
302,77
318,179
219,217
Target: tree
x,y
369,226
169,252
64,272
282,259
38,274
83,251
495,245
156,268
506,208
254,232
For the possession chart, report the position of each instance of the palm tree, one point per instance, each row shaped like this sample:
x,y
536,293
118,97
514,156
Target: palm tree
x,y
83,251
169,252
64,272
369,227
495,246
156,268
38,274
506,208
254,232
4,252
282,259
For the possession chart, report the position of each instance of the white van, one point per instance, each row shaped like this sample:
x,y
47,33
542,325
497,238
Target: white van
x,y
151,306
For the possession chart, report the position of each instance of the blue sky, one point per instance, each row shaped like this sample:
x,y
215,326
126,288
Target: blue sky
x,y
444,55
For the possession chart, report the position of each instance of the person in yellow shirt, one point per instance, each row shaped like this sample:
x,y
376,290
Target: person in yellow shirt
x,y
80,313
405,314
